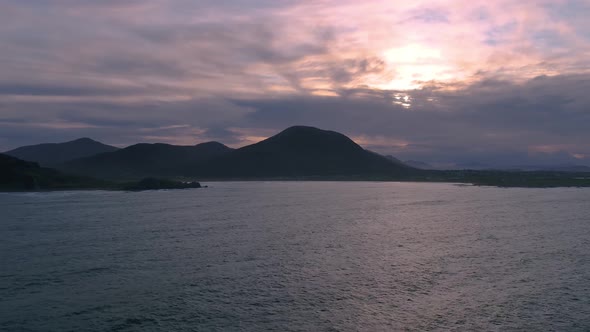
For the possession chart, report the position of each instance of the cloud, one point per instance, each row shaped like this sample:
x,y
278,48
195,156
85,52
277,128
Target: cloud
x,y
440,80
492,120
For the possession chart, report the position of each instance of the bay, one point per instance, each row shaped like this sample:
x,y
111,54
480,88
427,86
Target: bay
x,y
297,256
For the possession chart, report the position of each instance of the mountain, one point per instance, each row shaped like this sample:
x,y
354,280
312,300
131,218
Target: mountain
x,y
20,175
145,160
301,151
394,159
51,154
295,152
418,164
17,174
554,168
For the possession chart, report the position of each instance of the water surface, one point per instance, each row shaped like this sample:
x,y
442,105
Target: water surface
x,y
297,256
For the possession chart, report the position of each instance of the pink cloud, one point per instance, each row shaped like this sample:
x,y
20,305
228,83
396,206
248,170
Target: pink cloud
x,y
166,62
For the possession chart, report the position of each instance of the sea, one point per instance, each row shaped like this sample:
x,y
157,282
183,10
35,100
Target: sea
x,y
297,256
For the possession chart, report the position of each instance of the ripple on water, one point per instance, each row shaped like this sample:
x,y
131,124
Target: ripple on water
x,y
298,256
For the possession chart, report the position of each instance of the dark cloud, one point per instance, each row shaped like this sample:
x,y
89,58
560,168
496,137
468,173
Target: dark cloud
x,y
187,71
497,123
61,90
492,121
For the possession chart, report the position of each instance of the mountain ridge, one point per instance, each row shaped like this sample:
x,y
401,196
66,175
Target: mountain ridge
x,y
21,175
51,154
301,151
297,151
144,160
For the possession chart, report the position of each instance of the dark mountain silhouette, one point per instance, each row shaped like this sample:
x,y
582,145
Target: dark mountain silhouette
x,y
296,153
571,168
20,175
16,174
418,164
51,154
411,163
301,152
554,168
146,160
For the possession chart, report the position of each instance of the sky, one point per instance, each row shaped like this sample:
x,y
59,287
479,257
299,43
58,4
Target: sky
x,y
497,83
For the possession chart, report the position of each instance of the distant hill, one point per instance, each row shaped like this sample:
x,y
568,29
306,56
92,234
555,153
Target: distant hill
x,y
51,154
394,159
146,160
573,168
20,175
16,174
301,152
418,164
295,152
554,168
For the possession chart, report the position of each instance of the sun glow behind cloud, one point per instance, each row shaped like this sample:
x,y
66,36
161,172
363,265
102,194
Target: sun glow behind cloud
x,y
416,64
113,67
290,47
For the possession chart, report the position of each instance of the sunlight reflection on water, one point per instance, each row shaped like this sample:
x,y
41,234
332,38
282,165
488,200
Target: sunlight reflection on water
x,y
297,256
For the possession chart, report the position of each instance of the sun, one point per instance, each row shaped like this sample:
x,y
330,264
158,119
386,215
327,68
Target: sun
x,y
415,64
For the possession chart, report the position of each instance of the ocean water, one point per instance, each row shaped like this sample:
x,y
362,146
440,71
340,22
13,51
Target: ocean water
x,y
297,256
